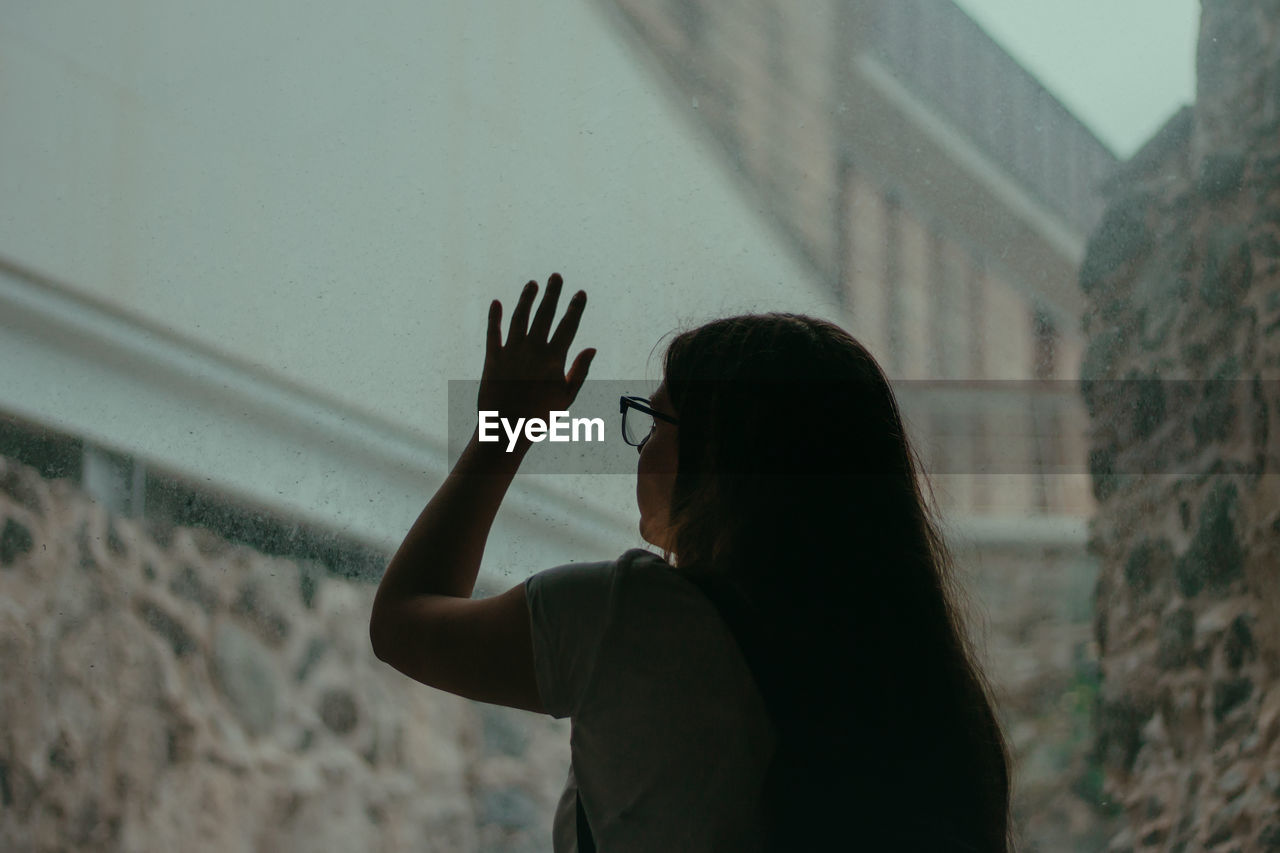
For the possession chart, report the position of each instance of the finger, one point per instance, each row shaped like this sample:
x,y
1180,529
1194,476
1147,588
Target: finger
x,y
569,323
520,316
578,373
547,310
493,338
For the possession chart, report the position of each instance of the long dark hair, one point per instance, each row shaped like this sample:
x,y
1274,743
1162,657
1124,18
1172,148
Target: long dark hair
x,y
797,484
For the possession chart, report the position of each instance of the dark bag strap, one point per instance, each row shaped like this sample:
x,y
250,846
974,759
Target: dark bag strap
x,y
733,609
736,612
586,841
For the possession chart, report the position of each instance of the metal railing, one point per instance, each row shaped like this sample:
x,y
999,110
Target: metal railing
x,y
941,55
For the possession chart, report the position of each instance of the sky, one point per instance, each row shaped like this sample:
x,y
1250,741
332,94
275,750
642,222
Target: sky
x,y
1122,66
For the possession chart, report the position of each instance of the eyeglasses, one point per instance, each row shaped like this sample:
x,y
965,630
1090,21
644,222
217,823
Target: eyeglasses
x,y
638,419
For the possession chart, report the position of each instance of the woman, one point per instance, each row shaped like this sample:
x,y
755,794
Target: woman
x,y
843,711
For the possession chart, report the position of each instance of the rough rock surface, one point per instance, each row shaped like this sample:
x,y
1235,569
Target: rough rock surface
x,y
1183,283
1034,618
161,689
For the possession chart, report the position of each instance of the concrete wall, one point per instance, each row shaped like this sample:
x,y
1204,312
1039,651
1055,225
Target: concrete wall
x,y
206,210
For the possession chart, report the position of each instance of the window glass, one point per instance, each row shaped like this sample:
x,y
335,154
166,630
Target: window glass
x,y
246,256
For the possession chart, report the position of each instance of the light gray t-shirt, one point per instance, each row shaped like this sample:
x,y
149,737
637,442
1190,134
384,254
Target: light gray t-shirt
x,y
670,737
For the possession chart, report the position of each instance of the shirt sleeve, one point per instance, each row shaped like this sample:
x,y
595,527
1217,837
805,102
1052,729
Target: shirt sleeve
x,y
569,609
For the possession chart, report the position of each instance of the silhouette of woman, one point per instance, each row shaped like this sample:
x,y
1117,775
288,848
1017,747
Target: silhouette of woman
x,y
827,698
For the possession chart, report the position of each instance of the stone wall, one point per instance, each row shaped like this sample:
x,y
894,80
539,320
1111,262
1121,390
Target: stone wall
x,y
1032,616
1183,283
163,690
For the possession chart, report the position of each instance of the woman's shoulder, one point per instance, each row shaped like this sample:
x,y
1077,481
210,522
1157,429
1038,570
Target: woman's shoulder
x,y
596,584
638,584
642,559
641,567
648,585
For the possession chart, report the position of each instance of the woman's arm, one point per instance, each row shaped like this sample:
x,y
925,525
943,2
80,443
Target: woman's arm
x,y
423,621
441,553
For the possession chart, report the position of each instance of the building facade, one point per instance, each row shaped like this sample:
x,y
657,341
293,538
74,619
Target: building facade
x,y
937,190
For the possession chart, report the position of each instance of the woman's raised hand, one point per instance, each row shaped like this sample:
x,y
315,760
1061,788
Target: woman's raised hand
x,y
525,378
